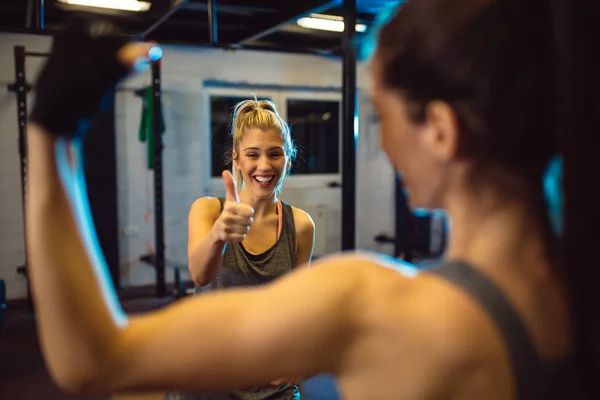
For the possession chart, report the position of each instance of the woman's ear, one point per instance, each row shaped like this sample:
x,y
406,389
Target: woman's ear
x,y
442,132
234,159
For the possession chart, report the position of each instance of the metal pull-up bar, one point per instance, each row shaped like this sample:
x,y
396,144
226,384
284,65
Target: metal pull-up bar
x,y
212,22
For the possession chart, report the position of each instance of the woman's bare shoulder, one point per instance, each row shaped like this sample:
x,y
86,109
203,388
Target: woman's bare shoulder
x,y
303,221
208,206
420,321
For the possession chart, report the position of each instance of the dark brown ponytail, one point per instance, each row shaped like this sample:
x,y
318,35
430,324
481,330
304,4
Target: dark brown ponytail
x,y
576,33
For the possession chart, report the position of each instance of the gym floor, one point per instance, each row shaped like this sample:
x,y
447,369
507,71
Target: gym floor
x,y
23,374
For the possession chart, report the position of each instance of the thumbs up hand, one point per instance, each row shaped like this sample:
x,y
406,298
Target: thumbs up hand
x,y
234,222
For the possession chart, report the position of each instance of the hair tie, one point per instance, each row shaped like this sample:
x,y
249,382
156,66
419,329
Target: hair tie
x,y
552,182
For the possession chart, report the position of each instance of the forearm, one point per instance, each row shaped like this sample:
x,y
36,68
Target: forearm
x,y
206,259
78,316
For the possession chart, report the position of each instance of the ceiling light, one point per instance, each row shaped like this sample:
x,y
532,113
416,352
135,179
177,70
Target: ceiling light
x,y
327,23
125,5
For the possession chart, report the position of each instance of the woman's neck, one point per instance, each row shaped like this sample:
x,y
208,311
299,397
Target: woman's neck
x,y
496,234
262,206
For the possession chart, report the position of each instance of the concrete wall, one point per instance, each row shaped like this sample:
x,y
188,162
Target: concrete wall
x,y
187,153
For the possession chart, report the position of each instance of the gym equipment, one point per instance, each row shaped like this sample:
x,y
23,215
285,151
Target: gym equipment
x,y
21,88
99,186
419,236
179,291
402,226
404,221
349,136
157,260
151,129
146,130
2,303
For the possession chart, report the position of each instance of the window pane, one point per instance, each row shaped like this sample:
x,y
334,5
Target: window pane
x,y
221,113
316,131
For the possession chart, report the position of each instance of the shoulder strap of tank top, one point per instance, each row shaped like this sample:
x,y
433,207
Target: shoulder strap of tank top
x,y
527,366
288,224
222,201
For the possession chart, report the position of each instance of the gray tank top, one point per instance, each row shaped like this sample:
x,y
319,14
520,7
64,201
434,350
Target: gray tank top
x,y
242,268
536,378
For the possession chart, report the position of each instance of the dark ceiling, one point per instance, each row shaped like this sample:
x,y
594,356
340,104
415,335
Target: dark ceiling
x,y
261,24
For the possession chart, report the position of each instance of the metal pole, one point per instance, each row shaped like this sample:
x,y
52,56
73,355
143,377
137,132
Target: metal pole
x,y
349,141
21,88
403,223
159,229
36,54
41,15
172,9
212,22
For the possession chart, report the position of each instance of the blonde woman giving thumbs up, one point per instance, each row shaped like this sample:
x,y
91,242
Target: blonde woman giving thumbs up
x,y
250,237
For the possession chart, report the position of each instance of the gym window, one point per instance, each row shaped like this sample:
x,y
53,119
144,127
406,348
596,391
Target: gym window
x,y
316,131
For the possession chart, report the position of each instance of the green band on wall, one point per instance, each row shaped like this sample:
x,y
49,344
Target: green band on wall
x,y
146,133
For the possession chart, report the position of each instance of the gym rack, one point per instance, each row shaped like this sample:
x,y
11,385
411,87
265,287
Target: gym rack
x,y
21,88
157,260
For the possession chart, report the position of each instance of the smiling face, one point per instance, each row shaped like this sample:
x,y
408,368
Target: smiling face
x,y
262,162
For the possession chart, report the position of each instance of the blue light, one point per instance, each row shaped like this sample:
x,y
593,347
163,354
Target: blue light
x,y
155,53
73,180
421,212
552,182
141,65
368,43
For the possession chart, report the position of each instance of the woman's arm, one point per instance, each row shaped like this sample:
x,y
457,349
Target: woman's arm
x,y
73,297
212,342
305,237
205,250
210,228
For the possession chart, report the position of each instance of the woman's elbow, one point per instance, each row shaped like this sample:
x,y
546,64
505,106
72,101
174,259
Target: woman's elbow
x,y
200,281
81,383
97,373
199,276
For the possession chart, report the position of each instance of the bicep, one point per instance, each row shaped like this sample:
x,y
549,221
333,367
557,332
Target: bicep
x,y
201,218
246,337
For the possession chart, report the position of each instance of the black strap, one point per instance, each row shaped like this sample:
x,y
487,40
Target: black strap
x,y
222,201
529,369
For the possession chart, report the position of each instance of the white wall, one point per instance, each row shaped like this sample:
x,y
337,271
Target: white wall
x,y
187,154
